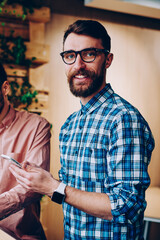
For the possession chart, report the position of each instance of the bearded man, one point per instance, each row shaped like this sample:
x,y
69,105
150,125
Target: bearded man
x,y
105,148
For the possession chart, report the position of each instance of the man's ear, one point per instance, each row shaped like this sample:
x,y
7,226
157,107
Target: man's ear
x,y
5,88
109,60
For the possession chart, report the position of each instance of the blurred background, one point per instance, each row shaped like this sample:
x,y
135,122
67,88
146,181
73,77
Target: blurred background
x,y
134,73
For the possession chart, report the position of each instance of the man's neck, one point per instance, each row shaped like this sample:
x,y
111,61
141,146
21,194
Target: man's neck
x,y
87,99
4,112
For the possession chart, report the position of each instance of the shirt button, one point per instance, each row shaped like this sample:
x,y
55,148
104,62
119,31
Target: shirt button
x,y
76,152
6,127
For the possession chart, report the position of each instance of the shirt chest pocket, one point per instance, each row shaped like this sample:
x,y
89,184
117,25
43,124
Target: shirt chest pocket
x,y
84,155
93,164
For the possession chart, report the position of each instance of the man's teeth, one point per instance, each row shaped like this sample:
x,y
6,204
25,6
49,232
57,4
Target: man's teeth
x,y
80,76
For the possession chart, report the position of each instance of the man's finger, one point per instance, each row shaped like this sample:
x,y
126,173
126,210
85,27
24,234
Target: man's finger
x,y
16,169
18,173
20,177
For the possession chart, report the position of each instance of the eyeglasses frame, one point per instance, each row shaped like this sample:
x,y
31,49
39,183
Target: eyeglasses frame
x,y
105,51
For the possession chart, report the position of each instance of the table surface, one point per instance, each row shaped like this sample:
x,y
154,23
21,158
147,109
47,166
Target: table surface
x,y
153,203
5,236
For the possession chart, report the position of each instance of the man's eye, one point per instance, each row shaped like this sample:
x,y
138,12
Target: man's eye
x,y
89,54
69,56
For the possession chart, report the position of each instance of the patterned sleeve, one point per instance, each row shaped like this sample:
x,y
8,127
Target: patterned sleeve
x,y
130,148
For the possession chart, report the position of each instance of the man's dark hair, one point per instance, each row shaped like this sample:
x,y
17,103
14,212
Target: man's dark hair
x,y
89,28
3,75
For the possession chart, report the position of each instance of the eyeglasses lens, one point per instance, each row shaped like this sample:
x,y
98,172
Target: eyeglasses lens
x,y
88,55
69,57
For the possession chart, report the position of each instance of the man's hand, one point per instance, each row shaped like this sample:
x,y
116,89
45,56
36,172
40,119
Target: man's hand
x,y
38,180
34,178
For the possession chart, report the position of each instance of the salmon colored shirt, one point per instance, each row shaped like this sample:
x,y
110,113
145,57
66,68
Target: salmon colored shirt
x,y
23,136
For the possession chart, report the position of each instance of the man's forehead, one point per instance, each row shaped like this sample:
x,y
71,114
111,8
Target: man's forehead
x,y
78,42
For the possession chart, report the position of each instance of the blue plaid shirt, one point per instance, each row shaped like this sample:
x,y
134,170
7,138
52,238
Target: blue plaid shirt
x,y
106,147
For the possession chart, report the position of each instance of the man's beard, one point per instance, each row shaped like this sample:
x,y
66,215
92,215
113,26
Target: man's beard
x,y
1,101
93,86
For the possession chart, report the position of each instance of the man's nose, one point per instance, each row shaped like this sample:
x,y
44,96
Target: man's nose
x,y
79,63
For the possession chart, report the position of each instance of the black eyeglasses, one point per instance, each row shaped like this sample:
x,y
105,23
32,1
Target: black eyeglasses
x,y
87,55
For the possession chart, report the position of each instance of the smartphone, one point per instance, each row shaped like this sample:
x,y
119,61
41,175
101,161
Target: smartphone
x,y
12,160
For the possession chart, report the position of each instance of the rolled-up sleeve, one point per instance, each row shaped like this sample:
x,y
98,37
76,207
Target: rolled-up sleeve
x,y
130,148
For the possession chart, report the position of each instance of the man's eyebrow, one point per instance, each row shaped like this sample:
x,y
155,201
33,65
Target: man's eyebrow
x,y
70,50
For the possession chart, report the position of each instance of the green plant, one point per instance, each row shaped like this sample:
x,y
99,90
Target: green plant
x,y
22,95
27,5
12,51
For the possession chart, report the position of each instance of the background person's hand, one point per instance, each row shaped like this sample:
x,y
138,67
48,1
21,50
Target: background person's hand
x,y
34,178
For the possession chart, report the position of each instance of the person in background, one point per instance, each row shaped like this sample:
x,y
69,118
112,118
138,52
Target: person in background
x,y
105,148
23,136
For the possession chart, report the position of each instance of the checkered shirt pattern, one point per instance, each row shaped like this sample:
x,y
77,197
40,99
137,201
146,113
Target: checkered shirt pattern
x,y
106,147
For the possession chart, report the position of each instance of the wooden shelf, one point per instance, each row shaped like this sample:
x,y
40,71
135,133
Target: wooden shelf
x,y
15,71
41,106
20,72
32,30
16,11
38,50
19,29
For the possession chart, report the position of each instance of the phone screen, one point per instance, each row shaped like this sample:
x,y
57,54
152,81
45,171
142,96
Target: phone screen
x,y
12,160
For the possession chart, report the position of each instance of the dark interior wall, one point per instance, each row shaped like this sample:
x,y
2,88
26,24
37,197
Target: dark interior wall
x,y
77,8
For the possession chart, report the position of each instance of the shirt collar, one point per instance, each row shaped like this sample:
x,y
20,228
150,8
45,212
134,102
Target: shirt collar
x,y
6,122
97,100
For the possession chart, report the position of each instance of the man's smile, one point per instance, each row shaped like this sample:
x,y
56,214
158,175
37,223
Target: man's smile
x,y
80,76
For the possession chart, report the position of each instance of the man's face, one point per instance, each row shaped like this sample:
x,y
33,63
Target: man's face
x,y
1,101
85,79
